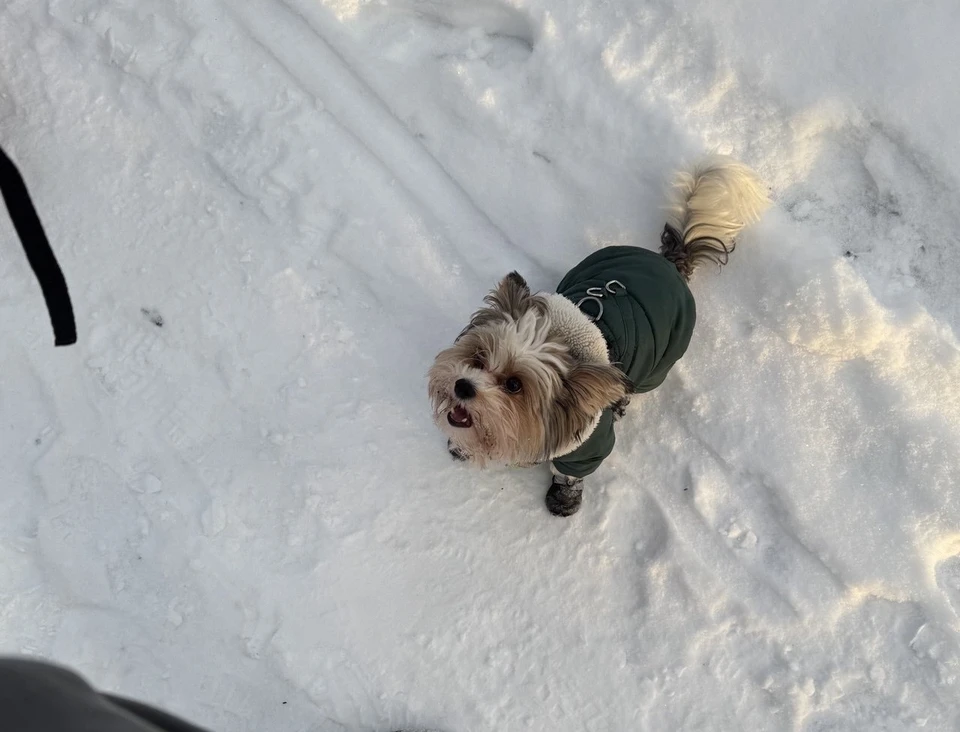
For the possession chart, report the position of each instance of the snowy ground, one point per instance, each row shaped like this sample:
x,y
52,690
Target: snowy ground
x,y
245,515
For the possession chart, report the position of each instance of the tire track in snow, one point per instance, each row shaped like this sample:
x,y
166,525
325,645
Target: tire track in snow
x,y
324,73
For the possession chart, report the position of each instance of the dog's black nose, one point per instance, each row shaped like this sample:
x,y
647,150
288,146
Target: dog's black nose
x,y
464,389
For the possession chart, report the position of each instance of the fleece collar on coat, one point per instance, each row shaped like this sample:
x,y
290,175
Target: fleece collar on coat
x,y
583,338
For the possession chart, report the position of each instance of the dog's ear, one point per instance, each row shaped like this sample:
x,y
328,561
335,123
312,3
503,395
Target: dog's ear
x,y
587,390
510,296
510,299
590,388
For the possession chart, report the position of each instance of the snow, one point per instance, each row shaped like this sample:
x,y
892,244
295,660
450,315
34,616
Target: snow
x,y
245,515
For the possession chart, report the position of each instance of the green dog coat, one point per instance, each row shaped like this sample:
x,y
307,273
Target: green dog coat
x,y
646,314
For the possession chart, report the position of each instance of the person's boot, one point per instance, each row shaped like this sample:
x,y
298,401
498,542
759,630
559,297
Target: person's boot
x,y
565,495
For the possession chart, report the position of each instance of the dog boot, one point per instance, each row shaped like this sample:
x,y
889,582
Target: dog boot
x,y
565,495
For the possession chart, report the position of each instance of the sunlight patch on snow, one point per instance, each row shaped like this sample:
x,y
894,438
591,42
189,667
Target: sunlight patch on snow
x,y
344,10
808,127
489,98
835,315
725,82
618,56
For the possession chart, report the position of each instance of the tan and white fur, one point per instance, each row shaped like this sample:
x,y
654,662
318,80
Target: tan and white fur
x,y
527,379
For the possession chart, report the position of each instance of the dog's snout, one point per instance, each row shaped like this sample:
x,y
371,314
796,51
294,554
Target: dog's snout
x,y
464,389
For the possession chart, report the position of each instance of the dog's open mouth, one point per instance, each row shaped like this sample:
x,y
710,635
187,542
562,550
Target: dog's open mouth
x,y
459,417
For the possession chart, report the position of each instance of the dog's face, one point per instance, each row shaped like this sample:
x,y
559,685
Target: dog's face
x,y
508,390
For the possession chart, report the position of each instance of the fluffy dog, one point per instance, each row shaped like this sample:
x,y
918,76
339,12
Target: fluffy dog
x,y
543,377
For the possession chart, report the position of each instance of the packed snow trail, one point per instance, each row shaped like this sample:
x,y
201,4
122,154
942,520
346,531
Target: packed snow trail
x,y
228,499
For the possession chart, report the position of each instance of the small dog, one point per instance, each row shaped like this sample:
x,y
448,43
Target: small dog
x,y
543,377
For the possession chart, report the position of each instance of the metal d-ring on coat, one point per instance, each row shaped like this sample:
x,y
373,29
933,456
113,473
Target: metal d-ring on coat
x,y
596,295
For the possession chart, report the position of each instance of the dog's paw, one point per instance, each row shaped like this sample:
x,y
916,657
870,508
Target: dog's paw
x,y
565,496
620,408
456,453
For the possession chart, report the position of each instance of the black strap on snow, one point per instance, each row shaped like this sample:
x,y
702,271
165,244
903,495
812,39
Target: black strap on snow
x,y
39,253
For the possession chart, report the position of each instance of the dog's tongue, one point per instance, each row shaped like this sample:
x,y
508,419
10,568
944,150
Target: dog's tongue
x,y
460,415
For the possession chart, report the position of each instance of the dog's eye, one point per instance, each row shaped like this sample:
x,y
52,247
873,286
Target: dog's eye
x,y
513,385
477,361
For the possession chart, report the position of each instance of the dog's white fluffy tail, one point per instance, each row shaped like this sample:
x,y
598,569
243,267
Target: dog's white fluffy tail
x,y
709,206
